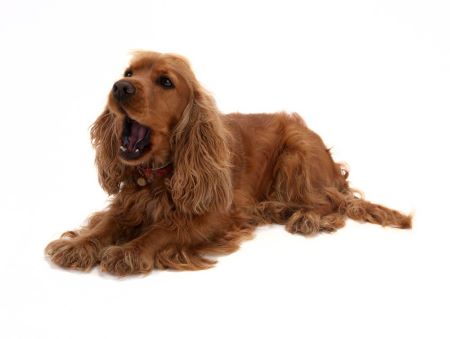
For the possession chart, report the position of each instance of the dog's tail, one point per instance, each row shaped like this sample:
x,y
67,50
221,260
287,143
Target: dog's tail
x,y
356,208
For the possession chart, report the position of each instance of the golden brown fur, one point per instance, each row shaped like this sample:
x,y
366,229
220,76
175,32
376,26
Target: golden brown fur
x,y
231,173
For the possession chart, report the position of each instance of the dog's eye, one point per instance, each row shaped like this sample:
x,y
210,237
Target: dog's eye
x,y
128,73
165,82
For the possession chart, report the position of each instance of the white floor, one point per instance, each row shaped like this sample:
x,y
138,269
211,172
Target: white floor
x,y
372,78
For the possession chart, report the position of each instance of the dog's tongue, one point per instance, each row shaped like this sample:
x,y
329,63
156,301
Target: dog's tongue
x,y
137,134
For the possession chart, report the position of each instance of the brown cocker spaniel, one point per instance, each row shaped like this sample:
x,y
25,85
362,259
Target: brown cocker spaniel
x,y
187,181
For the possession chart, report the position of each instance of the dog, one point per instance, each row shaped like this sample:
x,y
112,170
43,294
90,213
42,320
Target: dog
x,y
187,182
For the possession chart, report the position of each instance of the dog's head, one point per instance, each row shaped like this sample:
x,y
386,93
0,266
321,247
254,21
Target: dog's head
x,y
147,104
158,114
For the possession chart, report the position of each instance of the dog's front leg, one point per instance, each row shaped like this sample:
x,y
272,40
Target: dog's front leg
x,y
137,256
81,250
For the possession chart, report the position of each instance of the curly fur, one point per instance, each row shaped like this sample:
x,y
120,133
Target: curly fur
x,y
231,173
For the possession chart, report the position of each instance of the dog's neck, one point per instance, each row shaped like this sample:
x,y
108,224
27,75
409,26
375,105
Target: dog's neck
x,y
147,173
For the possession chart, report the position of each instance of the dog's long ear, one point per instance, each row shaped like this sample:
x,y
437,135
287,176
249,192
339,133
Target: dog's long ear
x,y
104,137
201,181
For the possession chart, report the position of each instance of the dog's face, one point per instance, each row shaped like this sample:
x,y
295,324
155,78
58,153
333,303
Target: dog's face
x,y
147,104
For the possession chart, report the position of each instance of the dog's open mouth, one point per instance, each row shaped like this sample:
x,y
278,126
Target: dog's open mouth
x,y
135,139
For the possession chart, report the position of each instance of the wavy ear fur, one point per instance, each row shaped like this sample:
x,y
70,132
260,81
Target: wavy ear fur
x,y
202,180
104,137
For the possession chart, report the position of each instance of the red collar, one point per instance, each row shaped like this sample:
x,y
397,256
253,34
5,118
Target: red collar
x,y
147,174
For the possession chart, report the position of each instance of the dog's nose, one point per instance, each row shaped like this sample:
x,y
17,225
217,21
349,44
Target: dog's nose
x,y
123,89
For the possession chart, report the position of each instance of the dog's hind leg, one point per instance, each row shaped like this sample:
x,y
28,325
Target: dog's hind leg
x,y
310,222
298,219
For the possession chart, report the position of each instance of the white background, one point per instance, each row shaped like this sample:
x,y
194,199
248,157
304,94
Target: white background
x,y
371,77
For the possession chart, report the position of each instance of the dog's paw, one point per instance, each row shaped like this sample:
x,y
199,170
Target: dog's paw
x,y
125,260
78,254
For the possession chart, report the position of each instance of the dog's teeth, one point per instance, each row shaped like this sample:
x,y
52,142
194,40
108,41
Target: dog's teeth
x,y
123,148
137,150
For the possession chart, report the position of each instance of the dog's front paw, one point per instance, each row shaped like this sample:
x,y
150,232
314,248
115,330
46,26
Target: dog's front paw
x,y
78,254
125,260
